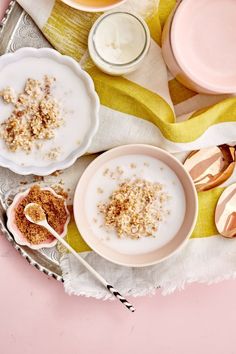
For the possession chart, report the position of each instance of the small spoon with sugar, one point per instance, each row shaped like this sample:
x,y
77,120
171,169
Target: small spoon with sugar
x,y
35,214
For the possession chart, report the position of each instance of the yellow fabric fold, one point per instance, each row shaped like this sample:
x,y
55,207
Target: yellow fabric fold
x,y
206,216
178,92
74,238
164,9
125,96
67,29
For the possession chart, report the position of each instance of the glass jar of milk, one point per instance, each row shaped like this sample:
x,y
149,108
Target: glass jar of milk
x,y
118,42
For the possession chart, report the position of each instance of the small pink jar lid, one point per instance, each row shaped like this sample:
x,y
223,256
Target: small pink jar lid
x,y
203,39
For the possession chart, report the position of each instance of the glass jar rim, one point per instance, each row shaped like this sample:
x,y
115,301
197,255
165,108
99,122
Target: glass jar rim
x,y
140,55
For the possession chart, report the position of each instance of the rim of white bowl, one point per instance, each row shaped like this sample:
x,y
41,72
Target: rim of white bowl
x,y
8,58
87,8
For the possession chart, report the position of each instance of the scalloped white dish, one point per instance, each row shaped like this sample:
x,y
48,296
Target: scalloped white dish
x,y
18,236
75,91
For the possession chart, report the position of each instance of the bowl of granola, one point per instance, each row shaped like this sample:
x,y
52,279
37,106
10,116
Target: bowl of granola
x,y
135,205
29,234
49,111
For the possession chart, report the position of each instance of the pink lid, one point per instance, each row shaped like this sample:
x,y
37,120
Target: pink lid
x,y
203,39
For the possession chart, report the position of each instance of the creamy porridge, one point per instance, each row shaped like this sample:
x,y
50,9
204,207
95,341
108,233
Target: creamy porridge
x,y
150,172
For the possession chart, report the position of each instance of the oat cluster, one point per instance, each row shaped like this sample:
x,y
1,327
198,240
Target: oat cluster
x,y
115,175
35,116
135,209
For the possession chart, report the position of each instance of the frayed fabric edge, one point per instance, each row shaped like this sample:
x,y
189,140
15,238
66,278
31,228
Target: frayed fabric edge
x,y
165,288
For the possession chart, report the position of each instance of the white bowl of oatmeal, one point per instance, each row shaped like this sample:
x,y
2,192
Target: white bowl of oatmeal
x,y
135,205
34,236
49,111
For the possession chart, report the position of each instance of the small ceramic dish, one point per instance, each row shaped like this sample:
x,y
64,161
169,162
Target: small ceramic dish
x,y
225,213
74,91
18,236
190,48
165,169
93,5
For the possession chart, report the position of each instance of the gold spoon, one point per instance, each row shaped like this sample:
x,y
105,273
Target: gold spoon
x,y
36,215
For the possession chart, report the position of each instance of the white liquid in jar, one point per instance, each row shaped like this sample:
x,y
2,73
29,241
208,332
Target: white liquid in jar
x,y
147,168
119,42
119,38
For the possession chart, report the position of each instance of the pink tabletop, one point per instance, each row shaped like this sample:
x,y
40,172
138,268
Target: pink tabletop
x,y
36,316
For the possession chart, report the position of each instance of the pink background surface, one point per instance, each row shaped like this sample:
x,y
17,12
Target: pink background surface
x,y
36,316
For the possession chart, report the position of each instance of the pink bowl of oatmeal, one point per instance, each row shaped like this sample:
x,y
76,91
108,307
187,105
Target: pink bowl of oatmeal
x,y
135,205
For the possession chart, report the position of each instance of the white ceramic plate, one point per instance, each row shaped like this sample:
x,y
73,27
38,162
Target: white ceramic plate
x,y
172,233
75,91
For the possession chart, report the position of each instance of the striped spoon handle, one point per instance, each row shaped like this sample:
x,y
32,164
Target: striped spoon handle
x,y
120,297
89,267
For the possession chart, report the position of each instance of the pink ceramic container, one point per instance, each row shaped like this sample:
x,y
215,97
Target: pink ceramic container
x,y
199,45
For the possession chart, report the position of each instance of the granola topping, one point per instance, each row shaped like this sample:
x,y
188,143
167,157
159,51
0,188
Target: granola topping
x,y
35,117
135,209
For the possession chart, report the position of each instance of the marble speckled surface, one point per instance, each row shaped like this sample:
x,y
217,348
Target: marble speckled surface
x,y
38,317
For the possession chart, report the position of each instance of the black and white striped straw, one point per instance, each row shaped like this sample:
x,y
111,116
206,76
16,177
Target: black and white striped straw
x,y
98,276
120,297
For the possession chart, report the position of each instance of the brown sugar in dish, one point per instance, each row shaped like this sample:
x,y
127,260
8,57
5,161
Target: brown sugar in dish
x,y
54,209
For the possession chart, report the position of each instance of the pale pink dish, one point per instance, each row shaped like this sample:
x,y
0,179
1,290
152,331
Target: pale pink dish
x,y
173,233
18,236
199,45
93,5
